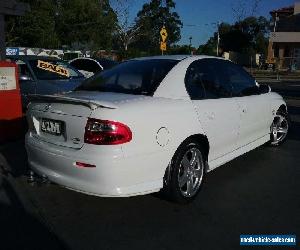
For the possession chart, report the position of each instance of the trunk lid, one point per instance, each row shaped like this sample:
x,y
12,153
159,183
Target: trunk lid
x,y
61,119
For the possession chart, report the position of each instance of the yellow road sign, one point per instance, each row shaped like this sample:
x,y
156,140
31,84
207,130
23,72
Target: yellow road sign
x,y
163,46
163,33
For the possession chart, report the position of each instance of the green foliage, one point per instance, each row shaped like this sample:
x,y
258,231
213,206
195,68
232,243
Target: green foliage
x,y
209,48
78,24
86,24
179,50
246,36
34,29
151,19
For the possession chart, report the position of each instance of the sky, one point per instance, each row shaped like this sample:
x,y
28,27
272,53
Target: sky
x,y
199,16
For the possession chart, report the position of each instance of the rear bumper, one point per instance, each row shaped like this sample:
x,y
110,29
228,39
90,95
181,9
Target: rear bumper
x,y
113,175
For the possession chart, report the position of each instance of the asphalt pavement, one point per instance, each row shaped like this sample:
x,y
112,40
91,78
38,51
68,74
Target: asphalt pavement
x,y
257,193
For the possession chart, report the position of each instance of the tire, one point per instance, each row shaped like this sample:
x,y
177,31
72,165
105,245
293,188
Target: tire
x,y
279,129
185,174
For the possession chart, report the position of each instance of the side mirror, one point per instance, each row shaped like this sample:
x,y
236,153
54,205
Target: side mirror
x,y
264,88
25,78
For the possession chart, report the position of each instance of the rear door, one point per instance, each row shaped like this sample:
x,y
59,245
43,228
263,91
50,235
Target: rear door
x,y
217,112
253,107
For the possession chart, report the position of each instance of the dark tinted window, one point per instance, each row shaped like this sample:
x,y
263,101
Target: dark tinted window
x,y
23,69
242,83
140,77
86,65
205,79
223,79
194,81
107,64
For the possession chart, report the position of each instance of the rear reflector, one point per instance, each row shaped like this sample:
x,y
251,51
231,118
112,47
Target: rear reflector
x,y
103,132
84,165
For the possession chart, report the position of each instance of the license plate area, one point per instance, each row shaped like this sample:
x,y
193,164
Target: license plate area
x,y
53,127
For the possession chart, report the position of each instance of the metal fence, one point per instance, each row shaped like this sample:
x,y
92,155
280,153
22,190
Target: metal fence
x,y
288,63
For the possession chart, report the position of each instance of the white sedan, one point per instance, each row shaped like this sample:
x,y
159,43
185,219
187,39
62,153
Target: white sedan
x,y
151,124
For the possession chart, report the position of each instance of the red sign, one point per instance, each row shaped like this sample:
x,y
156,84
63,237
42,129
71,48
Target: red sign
x,y
10,102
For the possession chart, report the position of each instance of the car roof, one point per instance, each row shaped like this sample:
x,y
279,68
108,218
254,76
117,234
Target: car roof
x,y
165,57
93,58
175,57
33,57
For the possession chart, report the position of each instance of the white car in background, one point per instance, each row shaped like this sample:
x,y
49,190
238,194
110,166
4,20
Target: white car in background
x,y
151,124
89,66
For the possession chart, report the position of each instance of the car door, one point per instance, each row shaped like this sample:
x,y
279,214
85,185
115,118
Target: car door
x,y
253,106
217,112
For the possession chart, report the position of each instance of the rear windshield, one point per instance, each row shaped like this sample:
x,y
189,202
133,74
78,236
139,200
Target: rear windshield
x,y
53,70
107,64
138,77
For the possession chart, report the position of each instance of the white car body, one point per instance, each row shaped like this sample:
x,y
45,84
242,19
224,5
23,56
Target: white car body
x,y
159,125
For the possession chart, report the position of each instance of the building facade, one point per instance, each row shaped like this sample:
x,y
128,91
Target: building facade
x,y
284,42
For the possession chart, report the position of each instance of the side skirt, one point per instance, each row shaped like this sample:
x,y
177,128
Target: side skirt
x,y
240,151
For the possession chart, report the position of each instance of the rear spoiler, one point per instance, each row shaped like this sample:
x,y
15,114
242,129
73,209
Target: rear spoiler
x,y
92,104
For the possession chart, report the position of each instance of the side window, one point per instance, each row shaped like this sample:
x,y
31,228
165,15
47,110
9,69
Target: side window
x,y
193,81
206,79
222,85
92,66
77,64
86,65
242,83
23,69
215,81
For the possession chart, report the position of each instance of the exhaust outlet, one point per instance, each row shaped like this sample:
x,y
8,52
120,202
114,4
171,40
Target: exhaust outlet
x,y
35,179
31,177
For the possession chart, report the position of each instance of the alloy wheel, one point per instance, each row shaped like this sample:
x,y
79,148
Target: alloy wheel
x,y
190,172
279,129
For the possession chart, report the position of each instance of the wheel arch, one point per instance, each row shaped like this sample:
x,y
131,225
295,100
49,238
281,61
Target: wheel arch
x,y
282,108
198,138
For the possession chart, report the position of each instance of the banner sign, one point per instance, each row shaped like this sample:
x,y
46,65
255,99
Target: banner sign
x,y
12,51
8,78
53,68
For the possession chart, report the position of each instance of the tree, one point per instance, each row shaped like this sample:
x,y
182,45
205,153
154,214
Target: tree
x,y
209,48
86,24
240,10
52,23
36,28
151,19
246,36
126,31
257,30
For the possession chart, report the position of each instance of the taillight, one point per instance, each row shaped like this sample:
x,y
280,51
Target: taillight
x,y
84,165
103,132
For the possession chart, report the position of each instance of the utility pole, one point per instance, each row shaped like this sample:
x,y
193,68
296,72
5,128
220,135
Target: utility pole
x,y
218,42
190,38
218,34
9,8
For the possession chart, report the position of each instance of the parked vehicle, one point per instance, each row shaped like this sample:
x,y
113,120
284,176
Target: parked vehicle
x,y
45,75
150,124
90,66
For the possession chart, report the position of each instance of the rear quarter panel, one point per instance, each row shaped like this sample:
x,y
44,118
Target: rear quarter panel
x,y
145,117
